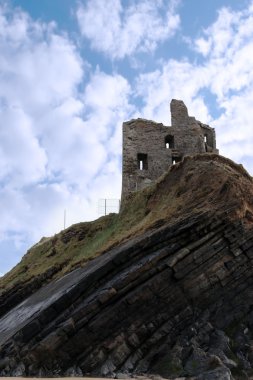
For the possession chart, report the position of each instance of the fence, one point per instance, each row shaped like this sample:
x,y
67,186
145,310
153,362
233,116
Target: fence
x,y
107,206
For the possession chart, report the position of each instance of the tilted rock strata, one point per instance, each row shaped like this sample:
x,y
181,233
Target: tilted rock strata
x,y
201,183
174,298
161,303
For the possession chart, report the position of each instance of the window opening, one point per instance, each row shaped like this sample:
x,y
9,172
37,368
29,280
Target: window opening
x,y
142,161
205,142
169,142
175,160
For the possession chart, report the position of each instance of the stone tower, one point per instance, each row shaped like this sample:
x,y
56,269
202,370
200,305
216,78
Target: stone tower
x,y
149,148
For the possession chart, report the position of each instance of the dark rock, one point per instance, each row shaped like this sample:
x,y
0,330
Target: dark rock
x,y
141,315
19,371
73,372
121,375
174,301
222,373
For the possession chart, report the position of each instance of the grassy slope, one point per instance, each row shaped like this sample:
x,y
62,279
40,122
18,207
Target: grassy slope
x,y
199,183
76,245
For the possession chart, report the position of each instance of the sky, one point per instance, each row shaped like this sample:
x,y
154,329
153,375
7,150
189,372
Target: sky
x,y
72,71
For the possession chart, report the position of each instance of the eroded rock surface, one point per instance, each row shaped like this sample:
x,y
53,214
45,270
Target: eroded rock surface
x,y
159,303
175,301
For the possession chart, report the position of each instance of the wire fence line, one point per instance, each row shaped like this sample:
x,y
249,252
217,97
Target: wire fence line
x,y
107,206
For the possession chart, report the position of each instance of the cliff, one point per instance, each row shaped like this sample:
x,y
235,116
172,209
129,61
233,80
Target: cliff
x,y
165,287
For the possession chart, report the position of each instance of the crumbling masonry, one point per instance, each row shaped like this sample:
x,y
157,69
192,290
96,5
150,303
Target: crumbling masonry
x,y
149,148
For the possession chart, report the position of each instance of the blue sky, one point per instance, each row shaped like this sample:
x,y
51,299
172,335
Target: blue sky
x,y
72,71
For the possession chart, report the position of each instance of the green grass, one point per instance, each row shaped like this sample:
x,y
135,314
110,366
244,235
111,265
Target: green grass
x,y
78,244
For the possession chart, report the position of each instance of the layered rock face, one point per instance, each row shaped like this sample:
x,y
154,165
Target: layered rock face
x,y
175,299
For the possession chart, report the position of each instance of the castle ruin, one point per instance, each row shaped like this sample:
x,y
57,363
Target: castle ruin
x,y
149,148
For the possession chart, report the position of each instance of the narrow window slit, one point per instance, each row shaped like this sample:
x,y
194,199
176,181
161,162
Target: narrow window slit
x,y
142,161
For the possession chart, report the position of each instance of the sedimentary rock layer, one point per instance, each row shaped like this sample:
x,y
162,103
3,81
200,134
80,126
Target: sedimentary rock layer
x,y
127,309
176,300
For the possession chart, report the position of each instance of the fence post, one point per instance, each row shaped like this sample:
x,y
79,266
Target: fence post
x,y
64,222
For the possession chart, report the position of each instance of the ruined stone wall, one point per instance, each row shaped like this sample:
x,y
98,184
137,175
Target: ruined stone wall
x,y
147,138
149,148
179,113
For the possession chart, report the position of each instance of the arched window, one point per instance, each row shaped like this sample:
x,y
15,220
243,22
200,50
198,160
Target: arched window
x,y
169,142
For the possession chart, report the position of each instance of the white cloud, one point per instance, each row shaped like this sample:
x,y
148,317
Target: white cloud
x,y
225,72
18,144
59,146
179,80
227,46
121,31
219,35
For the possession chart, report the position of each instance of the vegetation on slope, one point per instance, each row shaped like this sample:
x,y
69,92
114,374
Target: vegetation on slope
x,y
197,184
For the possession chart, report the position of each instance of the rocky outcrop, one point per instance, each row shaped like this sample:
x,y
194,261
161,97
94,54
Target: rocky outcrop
x,y
175,300
161,303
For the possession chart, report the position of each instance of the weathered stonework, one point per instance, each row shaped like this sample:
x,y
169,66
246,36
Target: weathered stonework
x,y
149,148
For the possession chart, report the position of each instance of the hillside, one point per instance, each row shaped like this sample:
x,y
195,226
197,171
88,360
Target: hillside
x,y
202,183
198,184
173,267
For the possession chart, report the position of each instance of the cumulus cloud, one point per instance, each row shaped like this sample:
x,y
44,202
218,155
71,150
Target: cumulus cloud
x,y
121,31
18,144
224,72
59,132
175,79
229,65
39,70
